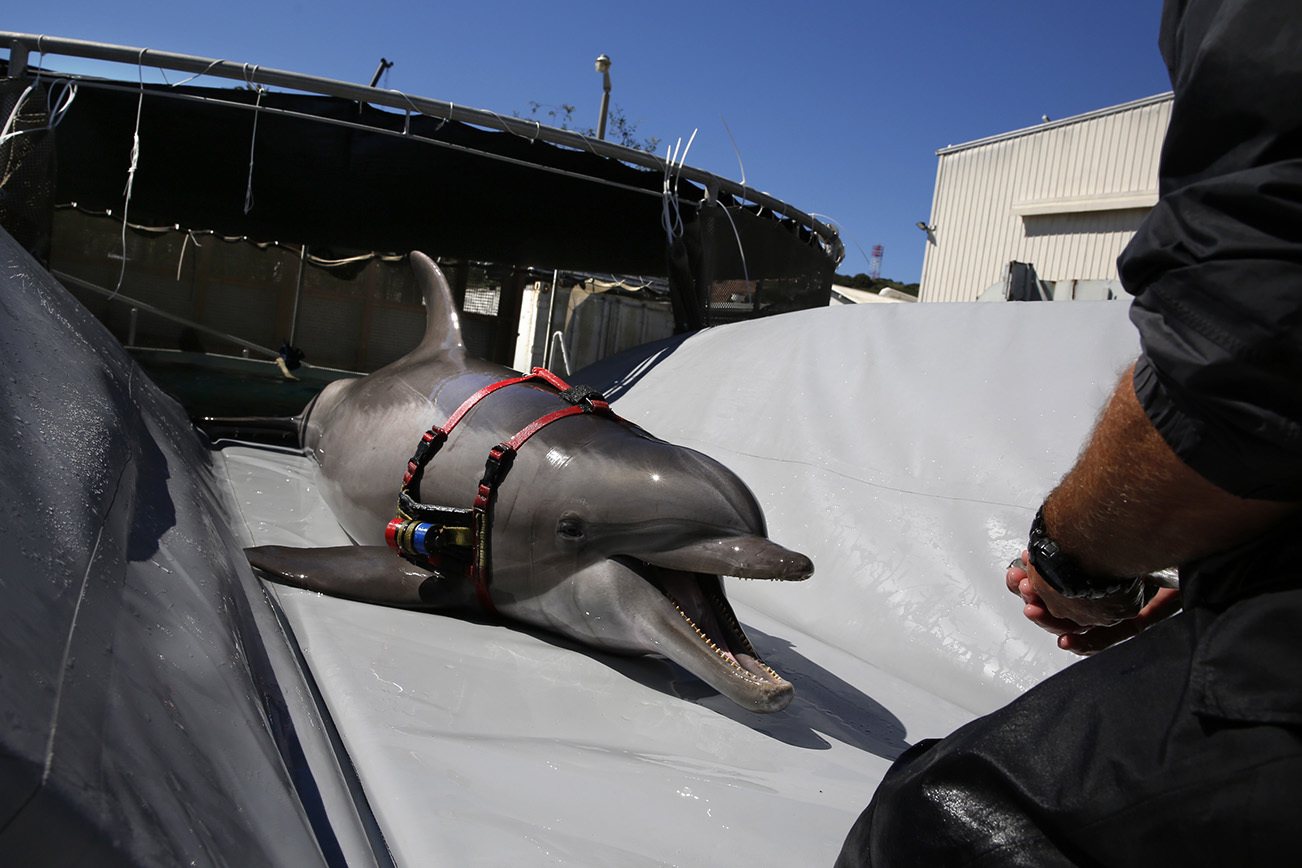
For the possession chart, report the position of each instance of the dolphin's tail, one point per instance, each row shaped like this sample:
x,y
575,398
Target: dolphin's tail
x,y
270,430
286,431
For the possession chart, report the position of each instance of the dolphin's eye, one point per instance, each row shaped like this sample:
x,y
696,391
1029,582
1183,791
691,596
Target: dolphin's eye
x,y
570,527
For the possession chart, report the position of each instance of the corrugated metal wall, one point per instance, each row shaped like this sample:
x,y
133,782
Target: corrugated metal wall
x,y
1066,196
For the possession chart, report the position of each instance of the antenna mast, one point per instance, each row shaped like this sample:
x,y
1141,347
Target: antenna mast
x,y
875,264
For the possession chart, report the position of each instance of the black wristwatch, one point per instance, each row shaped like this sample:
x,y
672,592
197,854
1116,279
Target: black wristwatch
x,y
1065,575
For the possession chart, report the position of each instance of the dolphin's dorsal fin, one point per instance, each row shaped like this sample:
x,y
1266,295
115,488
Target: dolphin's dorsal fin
x,y
442,325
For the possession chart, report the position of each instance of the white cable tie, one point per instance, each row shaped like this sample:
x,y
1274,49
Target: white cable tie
x,y
207,69
253,141
411,107
683,162
745,273
5,134
66,98
131,171
736,150
180,260
55,109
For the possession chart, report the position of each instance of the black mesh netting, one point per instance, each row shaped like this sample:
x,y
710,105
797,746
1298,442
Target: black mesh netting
x,y
743,265
477,195
27,166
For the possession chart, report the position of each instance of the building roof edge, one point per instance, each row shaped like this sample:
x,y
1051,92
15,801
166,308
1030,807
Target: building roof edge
x,y
1050,125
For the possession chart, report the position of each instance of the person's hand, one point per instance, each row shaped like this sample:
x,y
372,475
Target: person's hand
x,y
1068,614
1087,626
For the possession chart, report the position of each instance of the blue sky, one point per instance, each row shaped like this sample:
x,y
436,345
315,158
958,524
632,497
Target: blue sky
x,y
837,108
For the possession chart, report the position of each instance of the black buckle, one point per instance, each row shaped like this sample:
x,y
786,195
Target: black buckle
x,y
423,449
498,463
582,396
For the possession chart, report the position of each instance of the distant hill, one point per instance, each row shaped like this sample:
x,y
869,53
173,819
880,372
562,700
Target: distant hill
x,y
863,281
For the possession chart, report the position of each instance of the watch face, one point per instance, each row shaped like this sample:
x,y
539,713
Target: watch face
x,y
1047,560
1048,549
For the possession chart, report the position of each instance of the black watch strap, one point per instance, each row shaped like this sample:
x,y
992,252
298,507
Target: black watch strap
x,y
1064,573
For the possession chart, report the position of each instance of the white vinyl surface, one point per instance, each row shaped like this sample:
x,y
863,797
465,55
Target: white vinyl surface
x,y
904,448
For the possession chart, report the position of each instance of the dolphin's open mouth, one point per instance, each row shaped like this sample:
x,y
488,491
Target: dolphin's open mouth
x,y
709,640
699,599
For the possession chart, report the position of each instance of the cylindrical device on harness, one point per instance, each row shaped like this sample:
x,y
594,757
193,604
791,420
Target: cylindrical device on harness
x,y
432,540
410,536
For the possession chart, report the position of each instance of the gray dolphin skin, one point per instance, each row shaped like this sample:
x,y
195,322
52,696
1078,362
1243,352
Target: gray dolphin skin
x,y
600,533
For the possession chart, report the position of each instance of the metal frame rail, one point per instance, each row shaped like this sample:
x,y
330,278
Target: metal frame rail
x,y
22,44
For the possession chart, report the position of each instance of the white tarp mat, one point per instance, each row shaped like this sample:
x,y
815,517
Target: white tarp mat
x,y
904,448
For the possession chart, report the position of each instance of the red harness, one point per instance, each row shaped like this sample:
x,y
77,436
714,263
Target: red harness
x,y
436,533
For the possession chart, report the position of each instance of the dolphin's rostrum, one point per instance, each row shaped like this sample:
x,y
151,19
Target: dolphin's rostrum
x,y
600,533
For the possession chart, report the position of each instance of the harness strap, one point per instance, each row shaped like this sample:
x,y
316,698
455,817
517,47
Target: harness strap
x,y
414,534
598,407
536,374
495,470
433,439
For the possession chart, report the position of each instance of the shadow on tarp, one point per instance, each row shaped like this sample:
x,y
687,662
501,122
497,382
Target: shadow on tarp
x,y
825,705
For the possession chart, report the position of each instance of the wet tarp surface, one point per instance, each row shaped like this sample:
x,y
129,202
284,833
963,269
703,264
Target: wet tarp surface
x,y
904,448
152,711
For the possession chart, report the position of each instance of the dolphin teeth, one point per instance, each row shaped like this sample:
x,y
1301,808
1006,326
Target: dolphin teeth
x,y
740,635
705,638
737,642
751,676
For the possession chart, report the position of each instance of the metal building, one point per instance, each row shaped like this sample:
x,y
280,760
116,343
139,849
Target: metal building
x,y
1065,197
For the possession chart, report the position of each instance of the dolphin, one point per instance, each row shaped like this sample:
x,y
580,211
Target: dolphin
x,y
600,532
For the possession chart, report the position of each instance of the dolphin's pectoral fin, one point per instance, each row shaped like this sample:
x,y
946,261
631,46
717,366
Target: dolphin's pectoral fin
x,y
372,574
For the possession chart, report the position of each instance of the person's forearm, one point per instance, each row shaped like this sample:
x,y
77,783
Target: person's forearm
x,y
1130,506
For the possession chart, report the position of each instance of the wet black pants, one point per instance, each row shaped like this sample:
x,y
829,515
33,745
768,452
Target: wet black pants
x,y
1117,760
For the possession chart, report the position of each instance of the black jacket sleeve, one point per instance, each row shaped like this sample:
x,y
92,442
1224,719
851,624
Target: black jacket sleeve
x,y
1216,268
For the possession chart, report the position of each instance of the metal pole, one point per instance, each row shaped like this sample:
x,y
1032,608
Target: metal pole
x,y
379,71
551,306
120,298
603,67
298,293
17,59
